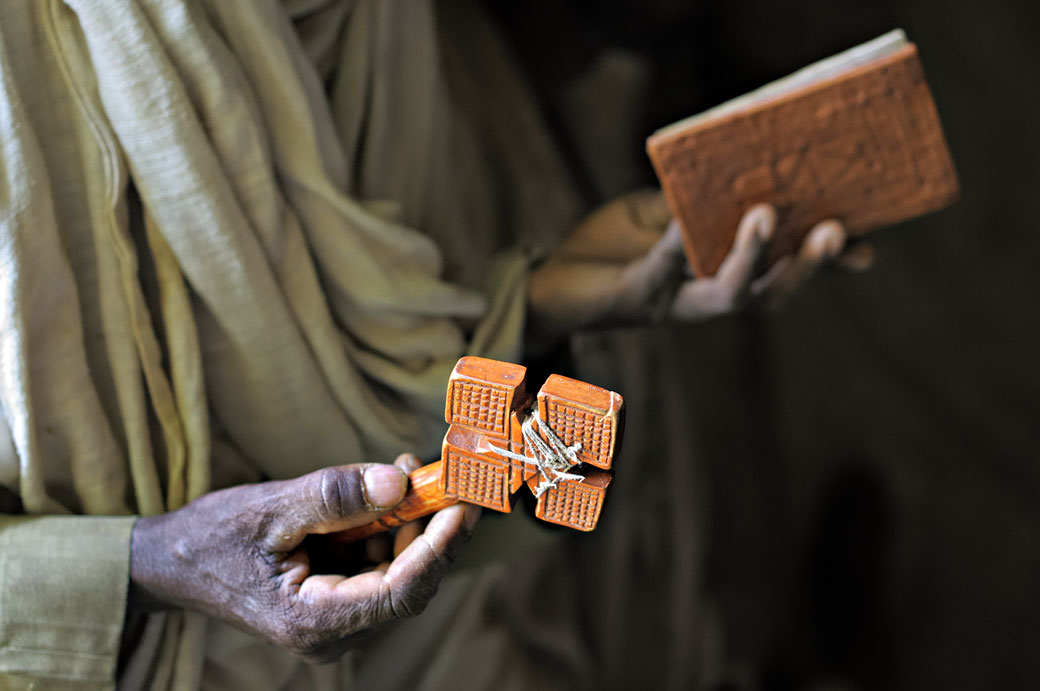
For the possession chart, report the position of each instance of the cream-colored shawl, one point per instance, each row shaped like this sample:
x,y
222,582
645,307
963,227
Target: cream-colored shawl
x,y
233,247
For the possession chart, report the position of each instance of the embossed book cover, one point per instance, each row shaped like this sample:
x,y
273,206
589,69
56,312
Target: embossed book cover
x,y
855,137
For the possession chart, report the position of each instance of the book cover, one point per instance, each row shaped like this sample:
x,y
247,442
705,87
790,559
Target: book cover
x,y
855,137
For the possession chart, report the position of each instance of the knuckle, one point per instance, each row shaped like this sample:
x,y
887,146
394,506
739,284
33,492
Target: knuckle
x,y
409,598
453,549
412,601
340,491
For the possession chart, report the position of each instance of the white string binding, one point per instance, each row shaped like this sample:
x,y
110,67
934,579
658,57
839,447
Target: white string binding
x,y
552,457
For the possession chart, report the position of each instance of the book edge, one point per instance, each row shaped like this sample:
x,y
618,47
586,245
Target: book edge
x,y
828,69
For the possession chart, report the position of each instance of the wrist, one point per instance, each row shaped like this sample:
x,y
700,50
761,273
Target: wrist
x,y
147,564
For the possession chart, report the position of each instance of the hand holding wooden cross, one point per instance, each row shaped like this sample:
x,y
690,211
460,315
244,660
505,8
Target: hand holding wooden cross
x,y
561,444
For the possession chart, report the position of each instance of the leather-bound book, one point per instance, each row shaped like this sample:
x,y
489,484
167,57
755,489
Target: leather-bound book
x,y
855,137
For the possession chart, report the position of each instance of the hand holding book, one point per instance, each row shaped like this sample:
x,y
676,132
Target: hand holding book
x,y
624,265
855,137
764,189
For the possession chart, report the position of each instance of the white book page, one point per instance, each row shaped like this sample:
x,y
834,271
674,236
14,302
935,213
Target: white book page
x,y
863,54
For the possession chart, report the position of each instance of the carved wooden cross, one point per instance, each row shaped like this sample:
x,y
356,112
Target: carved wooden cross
x,y
562,448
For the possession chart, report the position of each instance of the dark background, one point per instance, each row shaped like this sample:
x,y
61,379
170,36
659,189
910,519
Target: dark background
x,y
867,459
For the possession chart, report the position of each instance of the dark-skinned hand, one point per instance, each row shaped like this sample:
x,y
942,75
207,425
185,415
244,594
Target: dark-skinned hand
x,y
624,265
263,557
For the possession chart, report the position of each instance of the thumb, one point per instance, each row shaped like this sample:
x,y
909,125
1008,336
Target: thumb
x,y
650,283
337,498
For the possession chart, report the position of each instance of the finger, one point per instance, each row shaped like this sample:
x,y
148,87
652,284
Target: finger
x,y
332,499
649,284
378,548
380,567
823,242
670,247
405,535
858,257
408,462
753,234
396,590
709,297
414,575
295,567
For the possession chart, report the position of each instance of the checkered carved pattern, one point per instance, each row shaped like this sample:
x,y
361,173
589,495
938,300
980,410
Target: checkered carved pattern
x,y
483,458
593,430
571,504
481,406
477,480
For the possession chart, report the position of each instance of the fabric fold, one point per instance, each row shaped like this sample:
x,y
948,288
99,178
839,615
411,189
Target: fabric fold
x,y
214,271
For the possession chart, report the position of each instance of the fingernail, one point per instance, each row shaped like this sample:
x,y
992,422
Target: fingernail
x,y
825,241
408,462
384,485
766,223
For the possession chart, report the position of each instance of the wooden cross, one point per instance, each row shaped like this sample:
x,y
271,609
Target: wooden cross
x,y
561,444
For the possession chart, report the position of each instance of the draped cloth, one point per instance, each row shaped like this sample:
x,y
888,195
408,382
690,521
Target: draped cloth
x,y
238,241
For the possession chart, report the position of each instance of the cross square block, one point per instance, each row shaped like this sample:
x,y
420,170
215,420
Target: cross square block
x,y
482,393
478,479
582,413
572,503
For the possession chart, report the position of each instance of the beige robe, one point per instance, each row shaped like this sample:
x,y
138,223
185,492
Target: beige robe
x,y
234,247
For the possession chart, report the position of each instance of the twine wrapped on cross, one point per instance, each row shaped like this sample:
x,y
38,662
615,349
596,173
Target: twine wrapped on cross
x,y
552,457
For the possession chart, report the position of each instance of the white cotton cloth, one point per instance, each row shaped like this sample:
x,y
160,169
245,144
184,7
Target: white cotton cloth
x,y
241,240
